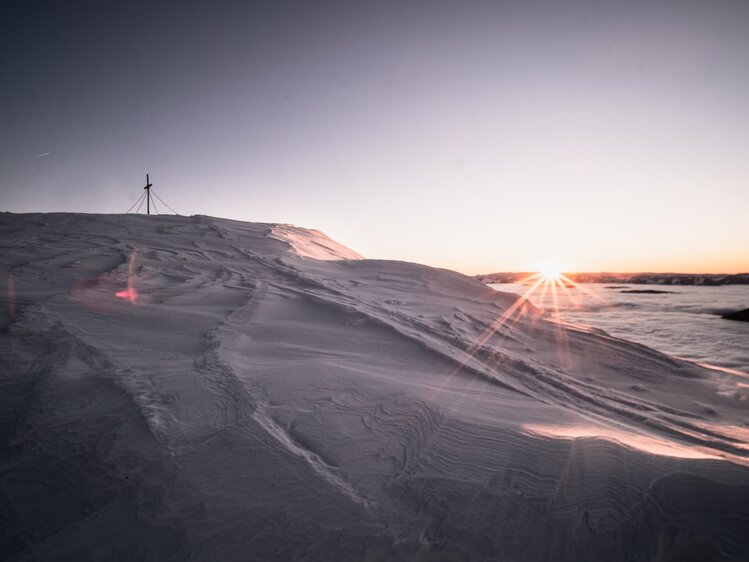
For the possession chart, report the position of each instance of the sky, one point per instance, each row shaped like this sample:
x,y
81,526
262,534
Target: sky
x,y
474,135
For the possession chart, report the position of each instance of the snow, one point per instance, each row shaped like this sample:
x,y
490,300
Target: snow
x,y
196,388
312,243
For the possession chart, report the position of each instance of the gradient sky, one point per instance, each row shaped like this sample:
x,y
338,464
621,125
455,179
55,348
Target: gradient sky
x,y
474,135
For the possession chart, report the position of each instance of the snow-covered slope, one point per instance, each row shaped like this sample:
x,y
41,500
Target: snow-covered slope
x,y
202,389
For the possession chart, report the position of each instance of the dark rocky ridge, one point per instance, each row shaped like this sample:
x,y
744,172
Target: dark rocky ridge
x,y
646,292
741,315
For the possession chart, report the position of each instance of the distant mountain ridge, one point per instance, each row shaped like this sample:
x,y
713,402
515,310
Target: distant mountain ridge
x,y
710,279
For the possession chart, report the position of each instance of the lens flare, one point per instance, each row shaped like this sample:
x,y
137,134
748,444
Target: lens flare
x,y
131,293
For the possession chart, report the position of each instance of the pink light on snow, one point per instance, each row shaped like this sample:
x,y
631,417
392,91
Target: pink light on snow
x,y
646,443
131,294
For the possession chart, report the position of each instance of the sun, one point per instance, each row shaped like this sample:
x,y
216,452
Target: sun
x,y
551,275
550,272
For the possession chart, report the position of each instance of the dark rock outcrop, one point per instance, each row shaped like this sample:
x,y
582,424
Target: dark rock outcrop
x,y
646,292
742,315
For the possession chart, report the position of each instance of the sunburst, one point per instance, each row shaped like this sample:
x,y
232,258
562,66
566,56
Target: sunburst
x,y
551,275
548,280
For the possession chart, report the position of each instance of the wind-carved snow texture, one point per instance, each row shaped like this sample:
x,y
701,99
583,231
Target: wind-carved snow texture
x,y
260,392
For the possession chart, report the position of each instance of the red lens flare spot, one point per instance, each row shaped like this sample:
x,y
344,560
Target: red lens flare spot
x,y
131,294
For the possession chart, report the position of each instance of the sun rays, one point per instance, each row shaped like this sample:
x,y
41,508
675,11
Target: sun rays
x,y
550,282
550,290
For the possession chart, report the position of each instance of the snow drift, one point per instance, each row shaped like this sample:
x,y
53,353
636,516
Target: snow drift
x,y
195,388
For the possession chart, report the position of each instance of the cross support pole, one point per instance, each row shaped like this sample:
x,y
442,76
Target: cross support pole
x,y
148,195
